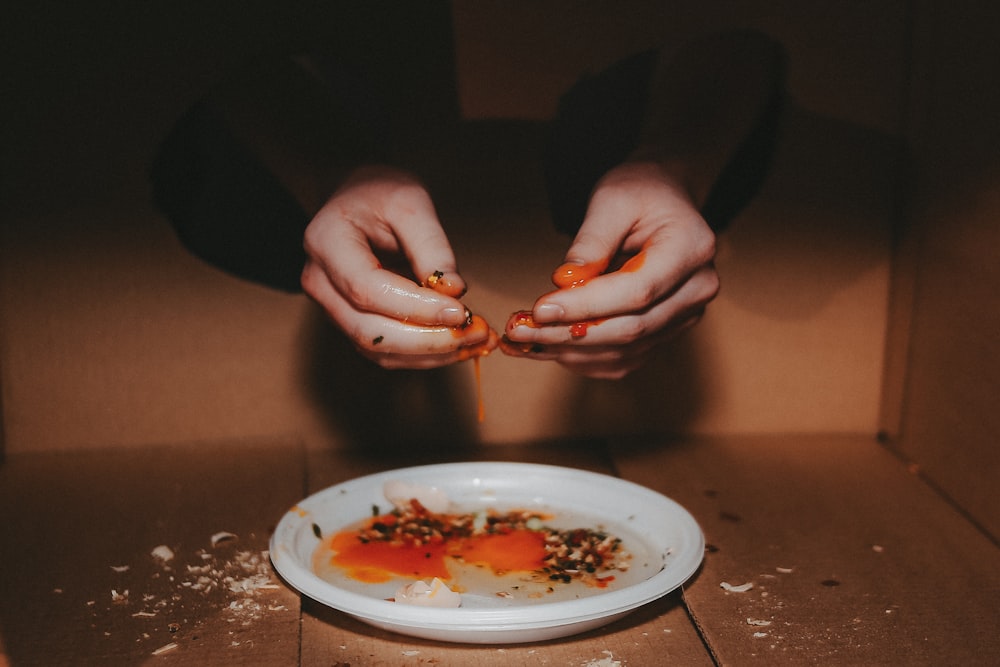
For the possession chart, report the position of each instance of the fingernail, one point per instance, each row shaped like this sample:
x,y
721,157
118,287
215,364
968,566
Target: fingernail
x,y
453,316
549,312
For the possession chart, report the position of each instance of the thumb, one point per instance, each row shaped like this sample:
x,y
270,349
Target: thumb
x,y
599,239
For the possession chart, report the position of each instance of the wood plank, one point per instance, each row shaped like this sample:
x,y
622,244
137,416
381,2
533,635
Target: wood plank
x,y
80,584
852,558
657,632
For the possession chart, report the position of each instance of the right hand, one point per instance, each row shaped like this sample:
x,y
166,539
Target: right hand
x,y
381,267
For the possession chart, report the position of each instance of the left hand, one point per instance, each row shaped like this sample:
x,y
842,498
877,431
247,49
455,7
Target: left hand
x,y
639,272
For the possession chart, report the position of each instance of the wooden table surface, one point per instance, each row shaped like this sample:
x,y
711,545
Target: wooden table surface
x,y
854,560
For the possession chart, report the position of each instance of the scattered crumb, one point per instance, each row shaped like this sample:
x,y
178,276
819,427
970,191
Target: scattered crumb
x,y
878,548
742,588
783,570
120,568
759,635
607,661
166,648
228,579
57,590
410,654
163,552
759,622
222,536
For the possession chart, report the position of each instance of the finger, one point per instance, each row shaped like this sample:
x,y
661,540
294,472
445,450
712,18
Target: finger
x,y
344,253
692,296
606,362
568,353
437,360
635,357
660,268
374,332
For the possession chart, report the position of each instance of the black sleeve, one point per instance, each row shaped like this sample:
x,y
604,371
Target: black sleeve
x,y
228,207
598,126
340,100
225,207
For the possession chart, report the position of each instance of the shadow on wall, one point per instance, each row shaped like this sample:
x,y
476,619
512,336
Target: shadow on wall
x,y
373,408
822,221
370,408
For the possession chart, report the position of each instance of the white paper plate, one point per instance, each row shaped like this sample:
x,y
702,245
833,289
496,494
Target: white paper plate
x,y
666,540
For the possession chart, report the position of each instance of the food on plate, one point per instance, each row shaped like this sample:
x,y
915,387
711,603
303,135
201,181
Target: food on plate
x,y
401,494
412,541
422,594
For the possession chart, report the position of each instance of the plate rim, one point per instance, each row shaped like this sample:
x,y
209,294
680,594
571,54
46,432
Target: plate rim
x,y
502,619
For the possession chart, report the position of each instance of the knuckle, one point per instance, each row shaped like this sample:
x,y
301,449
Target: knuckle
x,y
711,286
308,278
706,246
357,292
633,329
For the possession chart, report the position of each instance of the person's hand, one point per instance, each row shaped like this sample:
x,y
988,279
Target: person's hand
x,y
638,272
381,267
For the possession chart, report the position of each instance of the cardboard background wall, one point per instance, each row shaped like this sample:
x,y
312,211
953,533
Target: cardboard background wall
x,y
943,369
114,336
840,312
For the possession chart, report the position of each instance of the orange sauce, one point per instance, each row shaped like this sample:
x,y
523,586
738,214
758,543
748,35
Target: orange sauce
x,y
438,282
572,275
516,551
579,329
524,318
480,404
634,262
377,561
475,352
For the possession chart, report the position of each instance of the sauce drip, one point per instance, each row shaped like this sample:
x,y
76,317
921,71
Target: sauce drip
x,y
475,352
480,404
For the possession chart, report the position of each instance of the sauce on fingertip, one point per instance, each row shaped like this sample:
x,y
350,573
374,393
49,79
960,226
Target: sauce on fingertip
x,y
572,275
439,282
